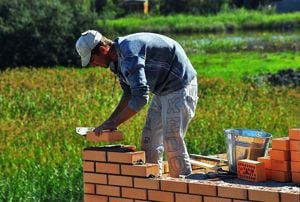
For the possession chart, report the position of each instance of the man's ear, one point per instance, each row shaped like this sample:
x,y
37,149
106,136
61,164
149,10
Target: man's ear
x,y
104,50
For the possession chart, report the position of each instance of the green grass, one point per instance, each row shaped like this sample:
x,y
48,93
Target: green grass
x,y
236,65
40,158
231,20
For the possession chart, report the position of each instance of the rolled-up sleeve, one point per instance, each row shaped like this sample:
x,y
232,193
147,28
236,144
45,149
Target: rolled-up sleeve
x,y
134,71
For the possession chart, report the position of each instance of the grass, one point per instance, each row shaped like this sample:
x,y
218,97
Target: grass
x,y
40,157
232,20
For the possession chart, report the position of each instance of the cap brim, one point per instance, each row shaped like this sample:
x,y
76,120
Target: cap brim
x,y
85,60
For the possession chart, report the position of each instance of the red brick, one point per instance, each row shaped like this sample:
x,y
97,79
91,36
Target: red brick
x,y
107,136
134,193
281,165
295,166
295,145
146,183
173,184
95,198
251,170
290,197
95,178
294,133
295,155
281,176
108,190
124,181
89,188
202,188
263,194
296,177
214,199
266,160
164,196
127,157
268,174
144,170
280,155
282,143
115,199
88,166
187,197
94,155
232,191
236,200
108,168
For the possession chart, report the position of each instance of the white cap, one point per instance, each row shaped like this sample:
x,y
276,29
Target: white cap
x,y
86,43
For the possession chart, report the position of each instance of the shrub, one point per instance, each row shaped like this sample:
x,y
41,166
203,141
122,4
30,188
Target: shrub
x,y
41,33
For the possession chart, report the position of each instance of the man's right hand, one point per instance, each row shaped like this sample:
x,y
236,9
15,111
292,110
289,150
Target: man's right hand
x,y
107,125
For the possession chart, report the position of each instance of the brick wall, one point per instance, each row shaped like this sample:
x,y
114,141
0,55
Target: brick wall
x,y
122,177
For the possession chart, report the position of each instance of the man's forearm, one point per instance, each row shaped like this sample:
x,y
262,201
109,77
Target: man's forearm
x,y
121,106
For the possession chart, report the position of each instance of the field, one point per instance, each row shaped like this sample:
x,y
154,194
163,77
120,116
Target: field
x,y
40,154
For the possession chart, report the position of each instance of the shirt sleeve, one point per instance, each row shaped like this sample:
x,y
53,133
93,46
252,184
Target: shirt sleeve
x,y
134,71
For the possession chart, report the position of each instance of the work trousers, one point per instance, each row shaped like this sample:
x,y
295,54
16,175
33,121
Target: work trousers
x,y
166,125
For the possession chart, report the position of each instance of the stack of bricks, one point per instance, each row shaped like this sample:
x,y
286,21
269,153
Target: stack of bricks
x,y
120,177
283,164
294,136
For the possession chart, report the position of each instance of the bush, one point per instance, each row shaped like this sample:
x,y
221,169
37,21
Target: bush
x,y
41,33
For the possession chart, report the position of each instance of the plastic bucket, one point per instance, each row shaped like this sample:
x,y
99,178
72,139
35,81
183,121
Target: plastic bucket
x,y
245,144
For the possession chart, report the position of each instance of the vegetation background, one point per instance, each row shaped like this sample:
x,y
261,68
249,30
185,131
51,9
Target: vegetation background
x,y
44,94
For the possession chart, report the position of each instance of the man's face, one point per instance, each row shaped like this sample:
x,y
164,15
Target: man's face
x,y
101,58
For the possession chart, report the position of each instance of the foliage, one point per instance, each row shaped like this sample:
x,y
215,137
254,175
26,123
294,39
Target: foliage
x,y
40,33
226,21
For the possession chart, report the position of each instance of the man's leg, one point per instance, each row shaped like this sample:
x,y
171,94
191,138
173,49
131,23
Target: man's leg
x,y
152,139
178,109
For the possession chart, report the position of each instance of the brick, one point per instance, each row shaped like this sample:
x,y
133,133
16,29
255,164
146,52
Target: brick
x,y
173,184
124,181
295,177
232,191
166,167
94,198
295,166
146,183
95,178
108,190
236,200
295,145
290,197
266,160
187,197
115,199
106,136
164,196
282,143
263,194
134,193
94,155
144,170
89,188
295,155
214,199
108,168
88,166
127,157
281,165
268,174
202,188
280,155
294,133
281,176
251,170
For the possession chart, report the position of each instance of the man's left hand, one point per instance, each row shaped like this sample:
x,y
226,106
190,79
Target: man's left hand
x,y
107,125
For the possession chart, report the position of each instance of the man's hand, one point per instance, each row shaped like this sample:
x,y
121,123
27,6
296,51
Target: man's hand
x,y
107,125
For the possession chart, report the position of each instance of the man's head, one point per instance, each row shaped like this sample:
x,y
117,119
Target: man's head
x,y
86,43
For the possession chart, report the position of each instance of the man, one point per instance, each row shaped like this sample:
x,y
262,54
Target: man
x,y
144,63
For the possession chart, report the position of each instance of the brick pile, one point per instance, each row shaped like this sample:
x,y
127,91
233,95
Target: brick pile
x,y
123,177
294,136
